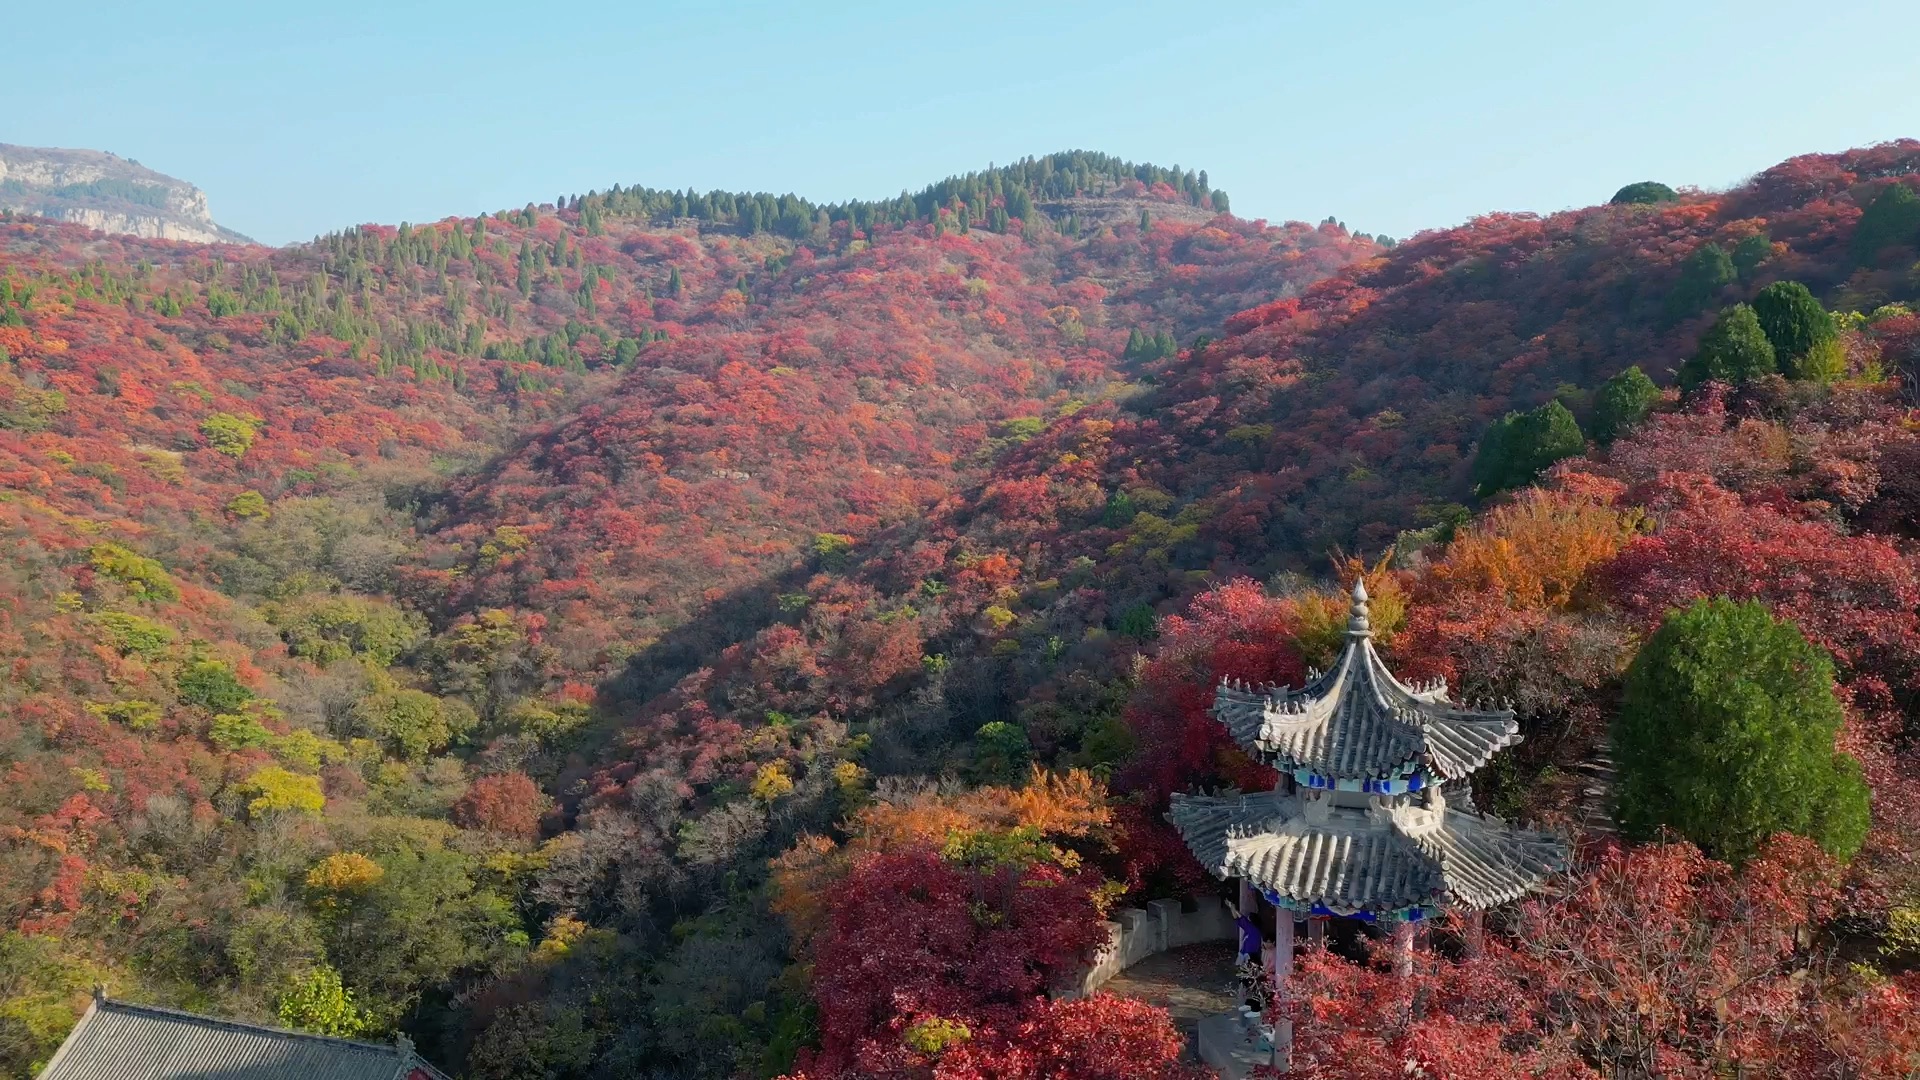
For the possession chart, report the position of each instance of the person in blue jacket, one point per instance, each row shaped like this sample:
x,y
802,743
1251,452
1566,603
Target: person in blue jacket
x,y
1250,936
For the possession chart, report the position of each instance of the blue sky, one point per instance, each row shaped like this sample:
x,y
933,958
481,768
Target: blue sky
x,y
300,119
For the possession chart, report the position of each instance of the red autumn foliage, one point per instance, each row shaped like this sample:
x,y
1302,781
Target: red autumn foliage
x,y
1659,962
915,937
510,804
1236,630
1101,1037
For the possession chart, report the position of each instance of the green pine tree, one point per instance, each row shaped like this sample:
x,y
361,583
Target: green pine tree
x,y
1623,402
1705,273
1725,735
1734,350
1646,191
1520,446
1892,218
1801,332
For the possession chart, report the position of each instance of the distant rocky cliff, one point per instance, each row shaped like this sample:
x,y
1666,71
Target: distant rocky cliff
x,y
106,192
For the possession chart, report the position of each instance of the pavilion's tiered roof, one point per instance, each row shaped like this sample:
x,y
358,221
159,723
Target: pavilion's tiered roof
x,y
1369,831
1356,722
1389,857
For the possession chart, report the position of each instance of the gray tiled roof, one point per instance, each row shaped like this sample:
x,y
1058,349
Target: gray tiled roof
x,y
1394,854
1358,722
118,1041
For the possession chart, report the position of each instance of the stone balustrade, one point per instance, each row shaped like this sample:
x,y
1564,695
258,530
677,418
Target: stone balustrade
x,y
1133,934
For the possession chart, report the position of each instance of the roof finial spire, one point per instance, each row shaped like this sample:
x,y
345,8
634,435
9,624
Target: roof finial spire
x,y
1357,624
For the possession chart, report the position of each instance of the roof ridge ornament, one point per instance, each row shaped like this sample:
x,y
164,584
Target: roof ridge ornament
x,y
1357,624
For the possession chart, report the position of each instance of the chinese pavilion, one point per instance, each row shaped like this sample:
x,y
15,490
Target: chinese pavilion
x,y
1371,819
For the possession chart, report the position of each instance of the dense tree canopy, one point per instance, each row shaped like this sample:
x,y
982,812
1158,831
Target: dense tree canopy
x,y
1801,332
1623,401
1891,219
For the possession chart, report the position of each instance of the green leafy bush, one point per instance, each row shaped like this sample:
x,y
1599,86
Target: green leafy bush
x,y
229,434
1893,217
1623,402
1702,277
320,1004
133,635
235,732
137,715
412,723
248,504
329,629
1799,329
1725,735
1644,192
211,685
145,578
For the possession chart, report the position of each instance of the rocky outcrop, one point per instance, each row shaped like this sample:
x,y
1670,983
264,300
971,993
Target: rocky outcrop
x,y
106,192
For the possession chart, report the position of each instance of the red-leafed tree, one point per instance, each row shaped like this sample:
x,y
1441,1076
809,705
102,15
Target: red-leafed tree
x,y
1236,631
919,937
1101,1037
510,804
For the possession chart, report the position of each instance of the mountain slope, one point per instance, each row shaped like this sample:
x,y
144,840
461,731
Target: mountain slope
x,y
105,192
834,394
1333,420
320,551
1002,625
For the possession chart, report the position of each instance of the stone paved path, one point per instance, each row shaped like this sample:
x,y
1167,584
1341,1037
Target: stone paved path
x,y
1596,791
1189,982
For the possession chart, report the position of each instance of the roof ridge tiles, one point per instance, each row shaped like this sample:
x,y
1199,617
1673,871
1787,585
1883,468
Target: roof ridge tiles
x,y
123,1040
203,1020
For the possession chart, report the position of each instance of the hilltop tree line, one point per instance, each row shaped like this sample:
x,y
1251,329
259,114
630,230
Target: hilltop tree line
x,y
990,198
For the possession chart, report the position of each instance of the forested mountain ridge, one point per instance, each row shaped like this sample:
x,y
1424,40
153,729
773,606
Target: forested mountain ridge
x,y
612,639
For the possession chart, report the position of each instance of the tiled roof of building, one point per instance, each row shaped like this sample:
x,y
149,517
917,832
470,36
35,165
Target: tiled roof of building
x,y
1358,722
115,1040
1395,854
